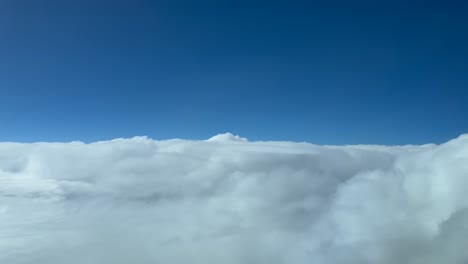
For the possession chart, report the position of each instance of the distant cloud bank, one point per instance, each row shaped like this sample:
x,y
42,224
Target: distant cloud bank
x,y
230,201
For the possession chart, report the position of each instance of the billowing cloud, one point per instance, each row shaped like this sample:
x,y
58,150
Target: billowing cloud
x,y
230,201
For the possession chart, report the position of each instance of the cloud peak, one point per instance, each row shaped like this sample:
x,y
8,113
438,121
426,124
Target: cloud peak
x,y
227,137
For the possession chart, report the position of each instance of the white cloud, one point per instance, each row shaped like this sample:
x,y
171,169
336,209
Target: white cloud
x,y
230,201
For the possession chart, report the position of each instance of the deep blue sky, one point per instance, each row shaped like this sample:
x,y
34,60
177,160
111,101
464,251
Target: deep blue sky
x,y
327,72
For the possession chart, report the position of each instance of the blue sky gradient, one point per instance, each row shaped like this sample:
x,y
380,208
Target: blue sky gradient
x,y
327,72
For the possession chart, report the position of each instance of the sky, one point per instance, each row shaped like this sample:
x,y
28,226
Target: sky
x,y
327,72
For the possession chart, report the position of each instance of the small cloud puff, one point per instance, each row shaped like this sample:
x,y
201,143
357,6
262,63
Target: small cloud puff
x,y
227,137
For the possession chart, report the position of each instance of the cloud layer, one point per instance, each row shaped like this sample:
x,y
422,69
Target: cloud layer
x,y
230,201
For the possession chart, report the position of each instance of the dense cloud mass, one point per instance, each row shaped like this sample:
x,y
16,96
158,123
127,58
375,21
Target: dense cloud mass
x,y
230,201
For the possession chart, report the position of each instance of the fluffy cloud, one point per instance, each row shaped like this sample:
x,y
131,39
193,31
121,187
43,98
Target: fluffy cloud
x,y
229,201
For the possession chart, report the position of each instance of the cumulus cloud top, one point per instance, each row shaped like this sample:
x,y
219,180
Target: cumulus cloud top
x,y
226,137
176,201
